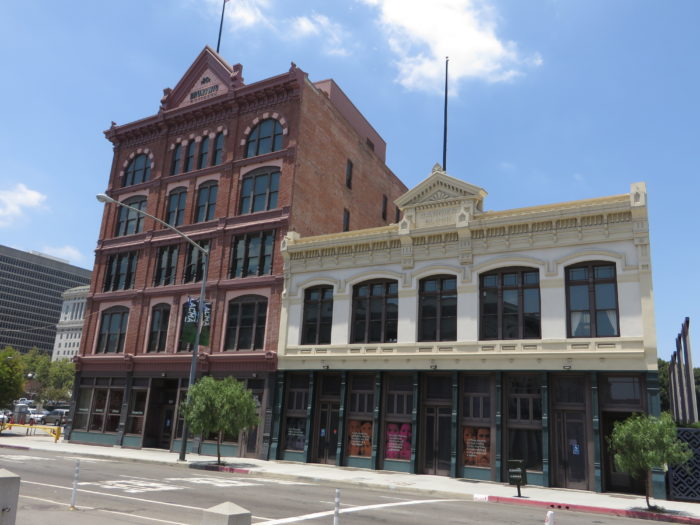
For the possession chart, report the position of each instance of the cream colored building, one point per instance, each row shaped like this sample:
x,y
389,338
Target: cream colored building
x,y
69,329
459,339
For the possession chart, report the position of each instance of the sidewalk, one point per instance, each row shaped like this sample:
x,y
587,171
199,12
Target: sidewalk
x,y
547,498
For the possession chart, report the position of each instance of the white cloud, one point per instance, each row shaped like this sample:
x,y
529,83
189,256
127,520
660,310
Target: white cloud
x,y
318,25
421,34
247,13
15,201
65,252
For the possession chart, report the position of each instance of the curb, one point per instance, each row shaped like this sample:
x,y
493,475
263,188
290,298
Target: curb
x,y
638,514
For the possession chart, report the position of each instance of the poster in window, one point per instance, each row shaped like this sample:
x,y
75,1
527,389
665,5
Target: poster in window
x,y
296,433
477,446
398,441
359,438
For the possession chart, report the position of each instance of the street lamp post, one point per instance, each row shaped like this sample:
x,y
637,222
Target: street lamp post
x,y
200,310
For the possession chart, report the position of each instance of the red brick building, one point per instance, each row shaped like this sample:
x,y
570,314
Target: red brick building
x,y
234,166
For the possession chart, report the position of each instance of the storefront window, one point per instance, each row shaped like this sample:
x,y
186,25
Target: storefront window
x,y
398,429
296,433
134,423
361,406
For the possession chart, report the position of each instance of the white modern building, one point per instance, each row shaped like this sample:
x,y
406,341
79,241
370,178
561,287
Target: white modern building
x,y
69,329
460,339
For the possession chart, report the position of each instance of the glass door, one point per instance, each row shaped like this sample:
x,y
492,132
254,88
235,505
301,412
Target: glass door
x,y
571,449
327,432
437,442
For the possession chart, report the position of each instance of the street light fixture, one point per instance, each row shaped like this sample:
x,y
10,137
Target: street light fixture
x,y
200,310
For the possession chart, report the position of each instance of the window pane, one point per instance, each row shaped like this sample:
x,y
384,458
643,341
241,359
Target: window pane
x,y
531,278
531,298
490,281
578,274
578,297
510,279
606,323
604,272
605,296
580,324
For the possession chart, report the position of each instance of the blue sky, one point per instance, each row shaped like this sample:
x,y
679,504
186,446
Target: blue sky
x,y
551,100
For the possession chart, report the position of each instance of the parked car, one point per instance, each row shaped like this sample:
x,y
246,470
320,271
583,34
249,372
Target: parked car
x,y
35,417
57,417
5,416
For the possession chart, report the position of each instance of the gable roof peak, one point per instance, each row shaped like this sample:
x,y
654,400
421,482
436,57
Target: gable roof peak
x,y
440,187
208,77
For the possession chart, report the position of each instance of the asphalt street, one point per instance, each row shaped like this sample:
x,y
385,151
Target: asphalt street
x,y
114,491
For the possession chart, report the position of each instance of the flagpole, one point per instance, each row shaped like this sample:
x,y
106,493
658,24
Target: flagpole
x,y
444,132
221,24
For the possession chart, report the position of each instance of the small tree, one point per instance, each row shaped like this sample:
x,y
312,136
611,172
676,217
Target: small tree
x,y
223,407
641,443
11,376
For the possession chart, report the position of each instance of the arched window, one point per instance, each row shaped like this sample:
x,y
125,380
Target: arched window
x,y
265,138
130,221
138,170
176,206
206,202
189,156
437,310
177,157
218,149
112,330
203,153
318,316
259,190
160,315
510,304
375,312
591,302
245,326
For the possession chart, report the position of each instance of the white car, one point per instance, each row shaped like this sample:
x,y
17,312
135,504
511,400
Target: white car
x,y
35,416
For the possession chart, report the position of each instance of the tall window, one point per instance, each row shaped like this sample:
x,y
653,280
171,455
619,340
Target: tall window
x,y
138,170
476,420
318,315
510,304
375,312
121,269
252,254
176,160
218,149
398,429
112,330
130,221
346,220
166,265
360,415
160,315
259,191
194,267
206,202
437,314
203,153
385,202
265,138
189,156
348,174
176,206
592,300
297,400
524,410
245,326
